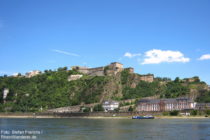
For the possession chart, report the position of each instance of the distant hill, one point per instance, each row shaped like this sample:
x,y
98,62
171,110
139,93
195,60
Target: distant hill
x,y
53,89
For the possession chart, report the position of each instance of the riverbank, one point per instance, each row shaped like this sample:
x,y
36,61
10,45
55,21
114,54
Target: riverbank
x,y
33,115
24,115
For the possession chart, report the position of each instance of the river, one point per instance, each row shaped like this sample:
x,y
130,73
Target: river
x,y
105,129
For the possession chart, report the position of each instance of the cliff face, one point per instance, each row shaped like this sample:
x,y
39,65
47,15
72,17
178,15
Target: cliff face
x,y
52,89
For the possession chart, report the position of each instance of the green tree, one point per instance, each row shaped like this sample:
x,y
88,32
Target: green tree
x,y
177,80
130,109
174,113
98,108
194,112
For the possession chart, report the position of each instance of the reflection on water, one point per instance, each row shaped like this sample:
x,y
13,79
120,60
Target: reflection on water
x,y
109,129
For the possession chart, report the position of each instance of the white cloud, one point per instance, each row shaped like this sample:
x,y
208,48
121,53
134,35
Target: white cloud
x,y
130,55
204,57
156,56
65,52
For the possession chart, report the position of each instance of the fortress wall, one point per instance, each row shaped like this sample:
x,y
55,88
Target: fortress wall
x,y
147,78
97,73
84,71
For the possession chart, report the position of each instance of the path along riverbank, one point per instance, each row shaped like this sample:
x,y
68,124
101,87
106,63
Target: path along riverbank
x,y
33,115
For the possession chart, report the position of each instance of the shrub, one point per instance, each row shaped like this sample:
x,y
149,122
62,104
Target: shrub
x,y
207,112
174,113
98,108
130,109
117,110
87,109
194,112
165,113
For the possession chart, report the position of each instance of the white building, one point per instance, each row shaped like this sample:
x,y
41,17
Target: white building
x,y
110,105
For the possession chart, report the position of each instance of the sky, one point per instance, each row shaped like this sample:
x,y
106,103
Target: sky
x,y
168,38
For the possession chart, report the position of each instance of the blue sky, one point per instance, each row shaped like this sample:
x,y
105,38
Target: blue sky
x,y
166,38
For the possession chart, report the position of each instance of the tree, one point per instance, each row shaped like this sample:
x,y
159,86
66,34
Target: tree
x,y
98,108
62,69
194,112
174,113
130,109
207,112
86,109
177,80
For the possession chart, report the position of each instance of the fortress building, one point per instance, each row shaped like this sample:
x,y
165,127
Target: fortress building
x,y
110,70
147,78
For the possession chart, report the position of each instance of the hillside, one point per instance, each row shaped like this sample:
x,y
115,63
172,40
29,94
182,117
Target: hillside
x,y
52,89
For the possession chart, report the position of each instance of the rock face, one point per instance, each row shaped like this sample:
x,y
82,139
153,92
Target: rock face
x,y
5,93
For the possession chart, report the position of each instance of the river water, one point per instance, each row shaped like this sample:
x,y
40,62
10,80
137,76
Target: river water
x,y
105,129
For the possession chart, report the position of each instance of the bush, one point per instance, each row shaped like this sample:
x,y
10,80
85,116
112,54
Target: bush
x,y
194,112
124,76
98,108
207,112
174,113
130,109
165,113
117,110
87,109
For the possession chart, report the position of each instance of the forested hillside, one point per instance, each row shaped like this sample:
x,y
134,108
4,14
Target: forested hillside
x,y
51,89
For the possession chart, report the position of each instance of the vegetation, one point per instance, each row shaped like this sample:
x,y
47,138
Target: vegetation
x,y
130,109
166,113
143,89
174,113
127,104
52,89
204,96
124,76
49,90
175,89
194,112
98,108
86,109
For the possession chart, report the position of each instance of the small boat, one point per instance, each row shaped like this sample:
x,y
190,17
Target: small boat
x,y
143,117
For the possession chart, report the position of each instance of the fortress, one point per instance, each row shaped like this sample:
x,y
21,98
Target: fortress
x,y
110,70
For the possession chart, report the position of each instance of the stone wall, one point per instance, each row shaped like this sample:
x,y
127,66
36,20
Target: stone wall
x,y
101,114
99,71
111,69
65,109
147,78
74,77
